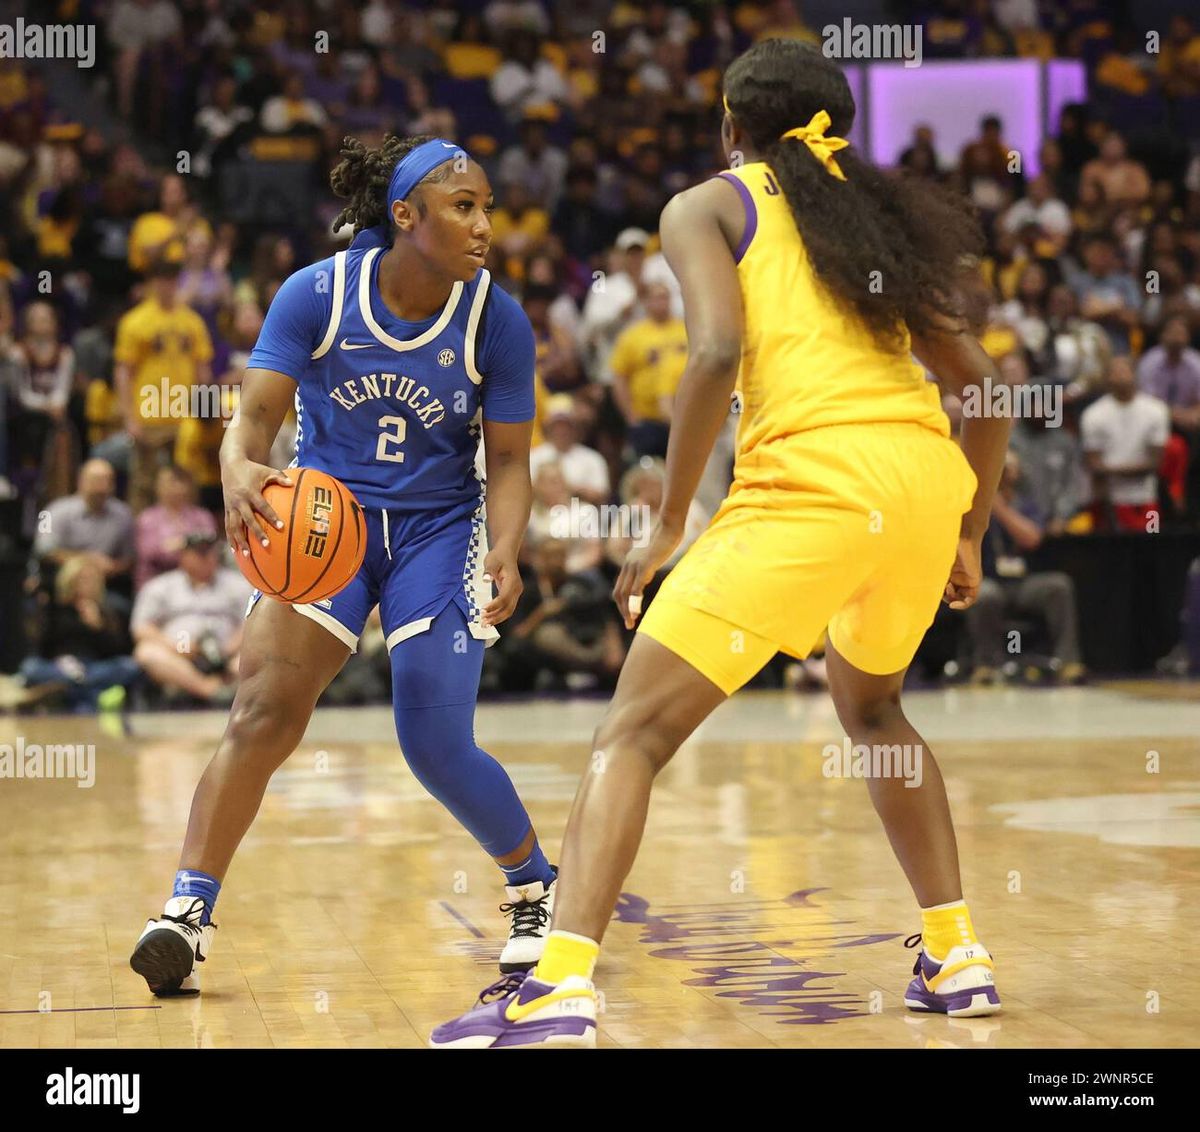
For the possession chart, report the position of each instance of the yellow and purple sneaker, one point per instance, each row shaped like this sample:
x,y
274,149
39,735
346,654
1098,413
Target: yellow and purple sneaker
x,y
961,985
520,1011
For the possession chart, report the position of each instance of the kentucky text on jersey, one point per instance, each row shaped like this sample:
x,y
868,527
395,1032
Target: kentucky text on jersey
x,y
374,386
370,387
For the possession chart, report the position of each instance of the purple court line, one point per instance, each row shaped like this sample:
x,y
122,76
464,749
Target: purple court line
x,y
462,919
79,1009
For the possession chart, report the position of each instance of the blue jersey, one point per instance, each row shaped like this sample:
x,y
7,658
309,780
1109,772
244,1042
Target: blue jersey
x,y
392,408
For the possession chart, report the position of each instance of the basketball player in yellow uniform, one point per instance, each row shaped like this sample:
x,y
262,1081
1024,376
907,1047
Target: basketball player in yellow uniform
x,y
851,507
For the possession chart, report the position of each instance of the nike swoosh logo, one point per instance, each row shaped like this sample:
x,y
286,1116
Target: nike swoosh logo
x,y
515,1011
346,344
447,145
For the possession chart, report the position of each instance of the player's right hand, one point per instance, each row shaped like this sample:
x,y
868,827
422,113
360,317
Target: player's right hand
x,y
641,564
963,587
243,486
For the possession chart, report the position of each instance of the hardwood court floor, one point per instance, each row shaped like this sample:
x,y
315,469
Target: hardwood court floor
x,y
765,910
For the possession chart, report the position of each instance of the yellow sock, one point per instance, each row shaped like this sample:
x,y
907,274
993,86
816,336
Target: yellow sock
x,y
945,926
566,954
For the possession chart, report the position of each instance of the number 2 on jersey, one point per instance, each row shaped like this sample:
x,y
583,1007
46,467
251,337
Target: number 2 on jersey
x,y
386,438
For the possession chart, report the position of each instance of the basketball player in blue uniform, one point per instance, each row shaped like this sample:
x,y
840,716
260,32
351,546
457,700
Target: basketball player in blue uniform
x,y
400,354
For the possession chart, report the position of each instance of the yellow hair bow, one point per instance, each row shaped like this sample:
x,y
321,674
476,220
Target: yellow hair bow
x,y
823,148
813,136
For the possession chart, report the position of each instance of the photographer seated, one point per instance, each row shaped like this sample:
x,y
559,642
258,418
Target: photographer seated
x,y
1009,589
188,623
563,626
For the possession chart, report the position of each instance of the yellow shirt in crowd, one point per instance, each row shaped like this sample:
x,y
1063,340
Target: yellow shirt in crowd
x,y
157,343
651,357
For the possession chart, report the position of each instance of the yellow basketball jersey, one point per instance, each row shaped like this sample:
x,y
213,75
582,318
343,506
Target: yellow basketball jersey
x,y
805,362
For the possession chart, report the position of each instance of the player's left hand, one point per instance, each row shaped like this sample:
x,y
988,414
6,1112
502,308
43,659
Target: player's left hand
x,y
500,567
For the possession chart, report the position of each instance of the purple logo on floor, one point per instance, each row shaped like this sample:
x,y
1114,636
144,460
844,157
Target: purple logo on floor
x,y
733,946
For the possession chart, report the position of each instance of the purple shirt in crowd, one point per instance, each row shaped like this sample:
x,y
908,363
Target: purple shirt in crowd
x,y
160,535
1177,383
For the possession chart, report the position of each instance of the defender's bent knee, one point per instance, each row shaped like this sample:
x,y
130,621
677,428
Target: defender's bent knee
x,y
630,729
860,716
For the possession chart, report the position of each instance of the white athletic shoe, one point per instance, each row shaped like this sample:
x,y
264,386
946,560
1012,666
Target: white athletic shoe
x,y
530,906
170,949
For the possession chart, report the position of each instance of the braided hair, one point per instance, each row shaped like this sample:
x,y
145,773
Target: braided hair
x,y
362,176
915,234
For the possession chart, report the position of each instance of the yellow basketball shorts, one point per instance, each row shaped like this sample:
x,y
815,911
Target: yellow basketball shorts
x,y
853,528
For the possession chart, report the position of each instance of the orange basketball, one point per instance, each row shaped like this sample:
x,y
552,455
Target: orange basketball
x,y
321,545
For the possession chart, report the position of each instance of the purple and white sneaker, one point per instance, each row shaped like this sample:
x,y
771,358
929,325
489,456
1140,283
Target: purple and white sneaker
x,y
521,1011
961,985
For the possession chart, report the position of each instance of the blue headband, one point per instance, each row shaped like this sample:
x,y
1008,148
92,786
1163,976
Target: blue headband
x,y
410,171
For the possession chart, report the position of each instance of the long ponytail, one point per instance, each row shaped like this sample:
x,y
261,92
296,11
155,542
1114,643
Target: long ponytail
x,y
890,248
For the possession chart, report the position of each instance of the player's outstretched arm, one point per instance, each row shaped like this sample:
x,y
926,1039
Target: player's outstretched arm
x,y
264,401
698,229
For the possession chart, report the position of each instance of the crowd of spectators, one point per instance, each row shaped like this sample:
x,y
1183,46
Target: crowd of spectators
x,y
139,261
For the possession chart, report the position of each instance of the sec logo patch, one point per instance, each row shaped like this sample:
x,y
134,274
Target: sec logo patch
x,y
446,358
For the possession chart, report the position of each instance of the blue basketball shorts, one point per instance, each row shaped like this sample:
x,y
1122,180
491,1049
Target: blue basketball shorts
x,y
416,564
